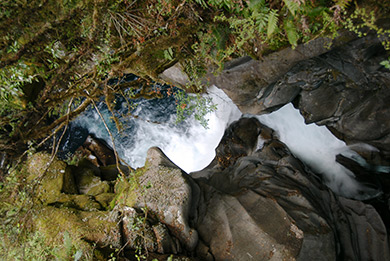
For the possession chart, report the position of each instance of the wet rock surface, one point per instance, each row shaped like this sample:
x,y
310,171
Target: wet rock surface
x,y
166,192
266,205
255,201
97,151
149,211
345,89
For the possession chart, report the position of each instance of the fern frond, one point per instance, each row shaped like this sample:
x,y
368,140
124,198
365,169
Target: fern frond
x,y
292,6
292,34
255,5
343,3
272,22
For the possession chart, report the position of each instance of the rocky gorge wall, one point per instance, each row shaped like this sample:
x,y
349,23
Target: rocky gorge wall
x,y
256,200
345,89
264,204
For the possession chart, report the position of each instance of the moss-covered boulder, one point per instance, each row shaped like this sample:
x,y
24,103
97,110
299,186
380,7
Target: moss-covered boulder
x,y
105,199
54,183
84,202
90,184
51,177
84,228
164,191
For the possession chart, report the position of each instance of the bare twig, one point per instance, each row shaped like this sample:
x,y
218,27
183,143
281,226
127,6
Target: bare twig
x,y
111,136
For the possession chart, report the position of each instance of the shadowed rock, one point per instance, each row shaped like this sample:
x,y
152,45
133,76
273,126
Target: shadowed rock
x,y
266,205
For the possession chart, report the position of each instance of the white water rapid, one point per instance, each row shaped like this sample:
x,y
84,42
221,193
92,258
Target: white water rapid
x,y
192,147
189,145
317,147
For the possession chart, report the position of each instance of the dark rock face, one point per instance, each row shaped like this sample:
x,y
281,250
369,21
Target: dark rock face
x,y
97,151
258,202
255,201
345,89
245,80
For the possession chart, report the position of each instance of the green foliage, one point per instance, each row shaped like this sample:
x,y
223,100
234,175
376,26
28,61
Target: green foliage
x,y
126,187
193,105
272,23
75,46
257,26
18,243
362,21
168,54
386,64
292,6
12,79
291,32
68,251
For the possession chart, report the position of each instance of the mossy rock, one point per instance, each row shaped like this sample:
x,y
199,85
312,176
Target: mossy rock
x,y
86,202
85,229
53,177
111,172
164,190
99,188
81,202
90,184
105,199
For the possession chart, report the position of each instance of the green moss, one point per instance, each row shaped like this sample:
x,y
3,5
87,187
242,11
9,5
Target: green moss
x,y
85,202
50,176
127,188
81,226
105,199
99,188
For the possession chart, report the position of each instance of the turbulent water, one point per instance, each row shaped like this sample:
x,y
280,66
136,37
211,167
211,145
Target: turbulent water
x,y
317,147
188,144
192,147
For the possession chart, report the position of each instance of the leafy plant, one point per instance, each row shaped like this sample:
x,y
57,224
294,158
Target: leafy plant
x,y
386,64
193,105
362,21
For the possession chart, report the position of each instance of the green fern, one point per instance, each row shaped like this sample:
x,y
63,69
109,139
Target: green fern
x,y
272,22
255,5
291,32
343,3
292,6
201,3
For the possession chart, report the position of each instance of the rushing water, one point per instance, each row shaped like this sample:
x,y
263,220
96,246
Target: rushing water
x,y
188,144
317,147
192,147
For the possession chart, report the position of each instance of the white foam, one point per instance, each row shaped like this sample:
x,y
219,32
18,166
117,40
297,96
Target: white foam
x,y
317,147
196,150
191,148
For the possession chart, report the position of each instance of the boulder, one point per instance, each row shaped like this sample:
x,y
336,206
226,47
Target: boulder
x,y
51,177
345,88
165,192
266,205
83,227
111,172
175,75
97,151
90,184
248,82
105,199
